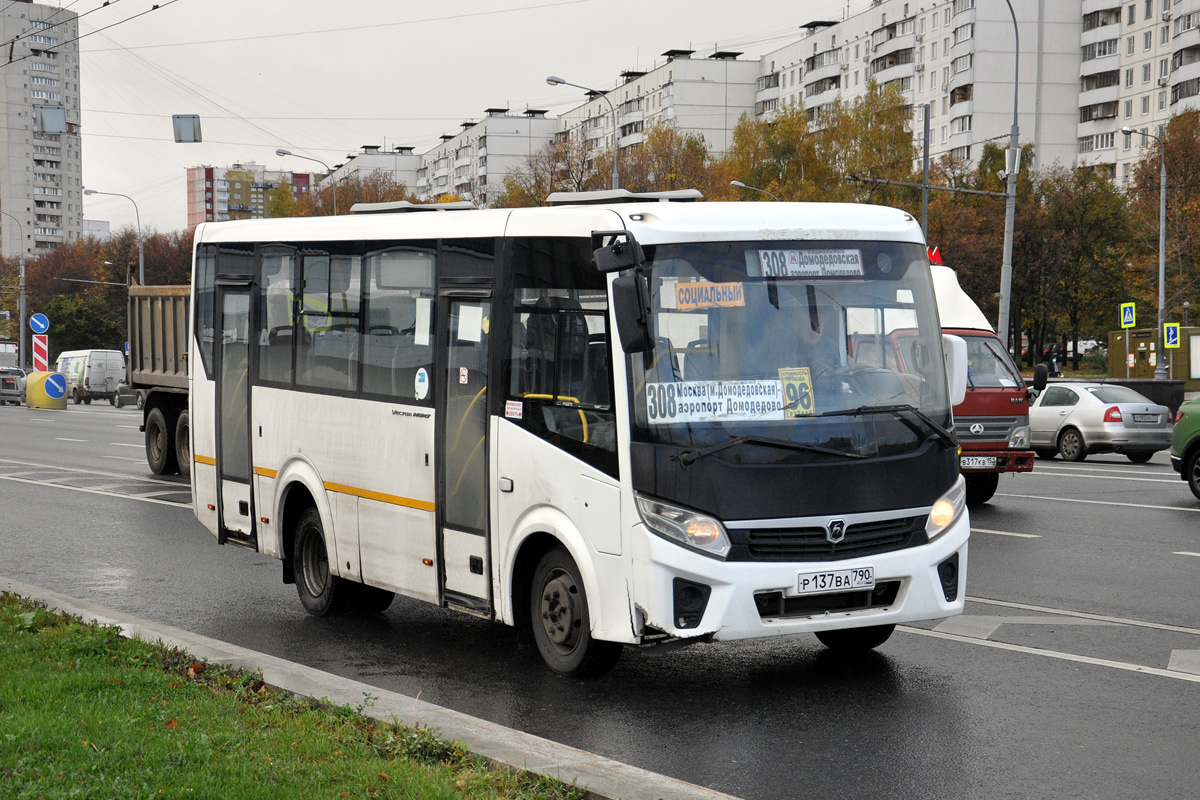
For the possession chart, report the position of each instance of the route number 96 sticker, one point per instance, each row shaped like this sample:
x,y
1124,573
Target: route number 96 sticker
x,y
797,393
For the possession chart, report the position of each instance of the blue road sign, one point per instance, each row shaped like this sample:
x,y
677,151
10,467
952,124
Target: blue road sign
x,y
1171,334
56,386
1128,315
39,324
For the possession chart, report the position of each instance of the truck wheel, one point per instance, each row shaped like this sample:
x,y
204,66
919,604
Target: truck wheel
x,y
87,401
981,487
321,593
856,640
1191,471
160,451
75,398
1071,446
562,627
183,444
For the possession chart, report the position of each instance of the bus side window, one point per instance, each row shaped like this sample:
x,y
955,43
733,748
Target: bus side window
x,y
397,343
276,321
328,344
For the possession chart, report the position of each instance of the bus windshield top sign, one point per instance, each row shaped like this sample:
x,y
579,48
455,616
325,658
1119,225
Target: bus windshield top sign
x,y
811,263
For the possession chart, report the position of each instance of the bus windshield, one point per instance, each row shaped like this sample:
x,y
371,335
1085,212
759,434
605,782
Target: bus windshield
x,y
830,346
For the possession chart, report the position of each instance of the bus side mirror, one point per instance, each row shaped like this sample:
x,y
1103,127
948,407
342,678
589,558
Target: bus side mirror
x,y
1040,373
613,251
634,325
955,349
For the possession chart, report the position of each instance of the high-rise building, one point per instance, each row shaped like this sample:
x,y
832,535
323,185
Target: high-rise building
x,y
41,174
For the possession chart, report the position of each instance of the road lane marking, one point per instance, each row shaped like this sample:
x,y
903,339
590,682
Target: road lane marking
x,y
126,458
1085,470
123,444
1162,626
1186,553
64,439
1006,533
1109,477
141,498
1055,654
1138,507
982,627
1185,661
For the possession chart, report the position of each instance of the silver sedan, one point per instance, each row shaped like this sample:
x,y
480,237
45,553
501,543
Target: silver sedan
x,y
1075,419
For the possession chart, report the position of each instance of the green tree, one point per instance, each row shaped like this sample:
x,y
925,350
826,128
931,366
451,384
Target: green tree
x,y
281,201
81,322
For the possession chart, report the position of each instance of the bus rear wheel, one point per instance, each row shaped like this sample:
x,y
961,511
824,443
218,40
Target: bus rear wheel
x,y
856,640
321,592
561,624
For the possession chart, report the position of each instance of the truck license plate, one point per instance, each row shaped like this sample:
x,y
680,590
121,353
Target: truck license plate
x,y
977,462
840,580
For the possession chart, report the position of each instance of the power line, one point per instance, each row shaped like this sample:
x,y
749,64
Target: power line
x,y
155,7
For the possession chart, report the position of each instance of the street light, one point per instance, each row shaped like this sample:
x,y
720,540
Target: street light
x,y
21,300
554,80
1012,163
138,216
282,152
1160,364
741,185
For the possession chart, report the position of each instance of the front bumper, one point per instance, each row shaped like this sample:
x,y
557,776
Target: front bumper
x,y
750,599
1006,460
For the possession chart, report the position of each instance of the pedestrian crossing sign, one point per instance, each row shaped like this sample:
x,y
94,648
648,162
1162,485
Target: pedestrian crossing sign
x,y
1171,334
1128,315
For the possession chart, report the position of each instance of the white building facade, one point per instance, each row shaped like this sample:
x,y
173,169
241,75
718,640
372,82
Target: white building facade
x,y
41,171
956,56
400,162
474,163
703,96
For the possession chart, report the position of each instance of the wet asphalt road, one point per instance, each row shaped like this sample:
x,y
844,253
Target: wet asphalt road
x,y
1073,673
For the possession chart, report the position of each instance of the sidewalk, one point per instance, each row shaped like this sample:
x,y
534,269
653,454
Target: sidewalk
x,y
604,778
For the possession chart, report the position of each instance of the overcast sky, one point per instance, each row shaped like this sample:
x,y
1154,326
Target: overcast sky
x,y
324,78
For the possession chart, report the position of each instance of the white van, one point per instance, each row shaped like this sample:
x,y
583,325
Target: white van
x,y
92,374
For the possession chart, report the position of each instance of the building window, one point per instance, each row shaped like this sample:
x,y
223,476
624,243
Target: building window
x,y
1129,77
1164,68
1162,101
1129,46
1149,9
1128,109
1132,15
1145,73
1145,105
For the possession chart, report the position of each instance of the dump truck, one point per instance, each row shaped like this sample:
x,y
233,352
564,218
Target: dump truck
x,y
158,371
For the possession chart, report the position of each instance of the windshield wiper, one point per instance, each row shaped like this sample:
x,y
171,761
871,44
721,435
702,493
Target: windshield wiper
x,y
689,457
900,412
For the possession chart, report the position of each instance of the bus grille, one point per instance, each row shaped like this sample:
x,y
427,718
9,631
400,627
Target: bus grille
x,y
811,544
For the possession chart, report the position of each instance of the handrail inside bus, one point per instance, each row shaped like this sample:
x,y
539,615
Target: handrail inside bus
x,y
467,413
582,418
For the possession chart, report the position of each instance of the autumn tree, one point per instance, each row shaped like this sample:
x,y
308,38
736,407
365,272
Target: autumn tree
x,y
666,160
281,201
378,186
561,165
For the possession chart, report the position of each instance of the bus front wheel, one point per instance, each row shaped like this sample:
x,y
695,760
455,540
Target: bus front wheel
x,y
321,593
561,624
856,640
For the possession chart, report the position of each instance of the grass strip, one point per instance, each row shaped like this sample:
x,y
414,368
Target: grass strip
x,y
88,713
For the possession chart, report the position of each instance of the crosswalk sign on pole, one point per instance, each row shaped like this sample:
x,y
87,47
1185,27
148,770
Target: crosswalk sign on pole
x,y
1171,334
1128,315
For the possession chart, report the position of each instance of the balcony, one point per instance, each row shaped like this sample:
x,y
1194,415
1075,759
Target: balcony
x,y
630,117
631,139
905,42
463,161
1099,34
1186,39
1102,64
1101,5
1106,94
1101,125
896,72
1186,72
820,73
825,97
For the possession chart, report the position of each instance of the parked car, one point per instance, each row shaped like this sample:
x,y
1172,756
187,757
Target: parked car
x,y
126,395
12,386
1185,444
1078,419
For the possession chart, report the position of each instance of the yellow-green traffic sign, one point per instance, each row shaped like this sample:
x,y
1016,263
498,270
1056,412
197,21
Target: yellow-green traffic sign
x,y
1128,315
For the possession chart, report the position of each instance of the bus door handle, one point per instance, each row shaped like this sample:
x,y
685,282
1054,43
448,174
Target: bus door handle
x,y
506,484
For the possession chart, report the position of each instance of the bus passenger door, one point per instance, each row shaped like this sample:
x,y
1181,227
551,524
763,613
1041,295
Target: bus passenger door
x,y
462,451
235,512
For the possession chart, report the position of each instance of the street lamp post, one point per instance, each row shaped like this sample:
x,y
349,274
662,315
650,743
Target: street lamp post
x,y
21,297
282,152
554,80
138,216
1160,363
741,185
1012,163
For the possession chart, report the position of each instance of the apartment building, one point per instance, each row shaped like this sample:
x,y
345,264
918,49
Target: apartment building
x,y
474,162
705,96
239,191
400,162
1141,65
41,172
954,56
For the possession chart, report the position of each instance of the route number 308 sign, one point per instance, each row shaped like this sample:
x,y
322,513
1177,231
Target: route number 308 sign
x,y
797,392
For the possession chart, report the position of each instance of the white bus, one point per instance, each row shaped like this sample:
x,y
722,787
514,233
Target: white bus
x,y
608,423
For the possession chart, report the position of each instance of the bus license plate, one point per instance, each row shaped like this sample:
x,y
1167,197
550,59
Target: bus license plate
x,y
977,462
841,580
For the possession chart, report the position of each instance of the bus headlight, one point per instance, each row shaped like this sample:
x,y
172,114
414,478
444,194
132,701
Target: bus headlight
x,y
682,525
947,510
1020,438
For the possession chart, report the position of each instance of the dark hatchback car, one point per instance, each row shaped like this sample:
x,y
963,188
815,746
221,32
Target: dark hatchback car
x,y
126,396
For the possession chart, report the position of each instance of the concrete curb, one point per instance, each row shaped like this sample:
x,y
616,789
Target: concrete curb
x,y
604,778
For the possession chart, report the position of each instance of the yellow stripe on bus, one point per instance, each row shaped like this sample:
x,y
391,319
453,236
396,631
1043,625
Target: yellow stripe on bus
x,y
266,473
408,502
212,462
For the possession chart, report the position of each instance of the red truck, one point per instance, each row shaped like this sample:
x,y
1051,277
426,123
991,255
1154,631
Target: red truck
x,y
992,422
